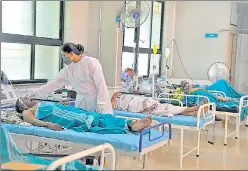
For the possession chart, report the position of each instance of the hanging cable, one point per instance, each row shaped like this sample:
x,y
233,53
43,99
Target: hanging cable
x,y
182,62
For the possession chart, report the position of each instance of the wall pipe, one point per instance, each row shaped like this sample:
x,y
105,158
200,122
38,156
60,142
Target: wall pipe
x,y
100,31
173,38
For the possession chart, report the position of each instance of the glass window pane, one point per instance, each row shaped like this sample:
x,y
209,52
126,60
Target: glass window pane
x,y
127,60
145,30
47,19
17,17
46,62
129,37
143,64
156,23
155,60
16,60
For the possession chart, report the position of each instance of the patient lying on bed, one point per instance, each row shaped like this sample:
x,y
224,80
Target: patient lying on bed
x,y
140,104
58,117
189,88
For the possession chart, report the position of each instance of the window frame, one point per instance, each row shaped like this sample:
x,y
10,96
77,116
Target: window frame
x,y
34,40
149,50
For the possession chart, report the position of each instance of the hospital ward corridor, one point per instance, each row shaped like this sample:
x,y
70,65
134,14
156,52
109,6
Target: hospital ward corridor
x,y
124,85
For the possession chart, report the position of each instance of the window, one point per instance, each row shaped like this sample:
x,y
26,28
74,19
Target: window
x,y
148,34
30,40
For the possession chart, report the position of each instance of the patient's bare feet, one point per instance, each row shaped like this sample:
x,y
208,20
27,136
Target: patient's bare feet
x,y
141,124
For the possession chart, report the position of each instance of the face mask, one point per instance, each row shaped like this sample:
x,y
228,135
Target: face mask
x,y
66,60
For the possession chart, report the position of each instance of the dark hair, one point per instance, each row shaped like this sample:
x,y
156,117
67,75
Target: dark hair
x,y
19,106
71,47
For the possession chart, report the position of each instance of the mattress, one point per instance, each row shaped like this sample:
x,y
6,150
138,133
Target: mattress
x,y
176,120
218,108
126,142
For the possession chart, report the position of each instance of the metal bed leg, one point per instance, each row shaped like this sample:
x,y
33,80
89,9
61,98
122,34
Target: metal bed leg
x,y
225,139
181,150
198,143
144,161
212,142
237,127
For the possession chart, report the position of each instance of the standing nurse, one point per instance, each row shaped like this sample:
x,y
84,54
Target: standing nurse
x,y
85,75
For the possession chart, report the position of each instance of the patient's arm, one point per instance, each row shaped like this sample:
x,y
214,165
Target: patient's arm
x,y
191,90
29,116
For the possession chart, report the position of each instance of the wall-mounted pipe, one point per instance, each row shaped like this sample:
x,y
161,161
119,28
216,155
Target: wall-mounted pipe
x,y
173,38
100,31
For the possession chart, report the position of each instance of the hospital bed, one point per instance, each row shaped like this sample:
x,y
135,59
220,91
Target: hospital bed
x,y
135,145
14,159
182,122
226,112
98,149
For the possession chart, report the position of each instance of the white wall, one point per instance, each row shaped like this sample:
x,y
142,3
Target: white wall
x,y
76,22
193,20
82,26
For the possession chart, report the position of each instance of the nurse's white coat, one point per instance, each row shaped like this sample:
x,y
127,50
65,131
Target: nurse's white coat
x,y
86,77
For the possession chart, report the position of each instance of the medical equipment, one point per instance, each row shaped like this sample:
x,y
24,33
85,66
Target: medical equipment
x,y
217,71
128,82
8,96
181,122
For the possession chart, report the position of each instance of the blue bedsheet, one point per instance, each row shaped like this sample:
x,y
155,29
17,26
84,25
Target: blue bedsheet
x,y
127,142
176,120
11,153
224,86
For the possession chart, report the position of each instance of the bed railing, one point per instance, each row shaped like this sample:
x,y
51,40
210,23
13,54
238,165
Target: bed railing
x,y
101,148
169,96
207,114
148,129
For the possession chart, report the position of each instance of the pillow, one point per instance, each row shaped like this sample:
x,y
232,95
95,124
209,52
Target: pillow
x,y
11,117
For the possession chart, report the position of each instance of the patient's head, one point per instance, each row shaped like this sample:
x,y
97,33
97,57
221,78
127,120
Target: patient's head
x,y
24,103
186,85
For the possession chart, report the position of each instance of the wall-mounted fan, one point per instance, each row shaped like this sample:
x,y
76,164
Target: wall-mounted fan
x,y
132,15
217,71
